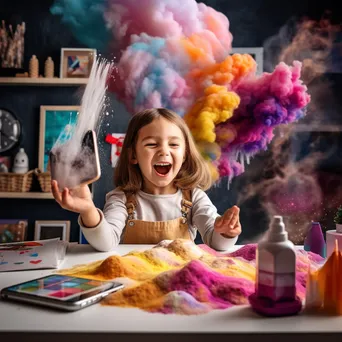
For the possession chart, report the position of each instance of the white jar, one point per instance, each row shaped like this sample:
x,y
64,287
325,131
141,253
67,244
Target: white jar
x,y
21,162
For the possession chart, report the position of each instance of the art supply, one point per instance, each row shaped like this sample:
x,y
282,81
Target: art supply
x,y
314,240
275,286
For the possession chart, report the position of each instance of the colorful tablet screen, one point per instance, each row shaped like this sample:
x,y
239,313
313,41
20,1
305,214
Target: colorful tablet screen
x,y
61,287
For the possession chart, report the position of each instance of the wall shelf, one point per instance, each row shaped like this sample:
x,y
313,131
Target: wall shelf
x,y
28,195
42,82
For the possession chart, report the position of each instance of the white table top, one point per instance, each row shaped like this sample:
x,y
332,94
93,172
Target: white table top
x,y
19,318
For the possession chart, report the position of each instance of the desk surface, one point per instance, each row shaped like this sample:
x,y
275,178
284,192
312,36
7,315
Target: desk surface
x,y
18,318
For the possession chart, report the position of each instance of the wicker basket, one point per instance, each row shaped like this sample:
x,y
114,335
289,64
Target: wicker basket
x,y
16,182
44,179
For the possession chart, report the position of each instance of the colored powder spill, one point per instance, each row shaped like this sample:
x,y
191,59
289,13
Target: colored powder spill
x,y
180,277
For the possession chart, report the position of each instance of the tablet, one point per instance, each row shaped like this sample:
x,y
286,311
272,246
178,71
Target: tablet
x,y
61,292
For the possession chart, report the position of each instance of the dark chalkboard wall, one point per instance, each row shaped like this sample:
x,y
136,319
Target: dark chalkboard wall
x,y
251,22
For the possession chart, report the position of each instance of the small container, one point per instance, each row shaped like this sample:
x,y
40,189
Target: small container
x,y
49,68
21,162
34,67
275,286
314,240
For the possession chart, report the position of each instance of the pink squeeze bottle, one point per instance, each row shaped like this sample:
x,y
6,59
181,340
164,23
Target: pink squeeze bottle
x,y
275,285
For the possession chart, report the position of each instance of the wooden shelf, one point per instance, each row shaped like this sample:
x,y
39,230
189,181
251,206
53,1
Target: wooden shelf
x,y
41,81
29,195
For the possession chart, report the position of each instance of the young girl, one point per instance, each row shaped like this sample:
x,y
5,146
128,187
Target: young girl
x,y
161,179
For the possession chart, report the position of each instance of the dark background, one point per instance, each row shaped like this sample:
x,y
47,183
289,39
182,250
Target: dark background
x,y
252,22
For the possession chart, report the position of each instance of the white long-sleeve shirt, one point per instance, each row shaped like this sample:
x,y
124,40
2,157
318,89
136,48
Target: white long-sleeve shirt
x,y
108,233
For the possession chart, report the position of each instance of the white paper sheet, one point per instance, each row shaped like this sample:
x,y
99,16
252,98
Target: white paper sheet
x,y
26,255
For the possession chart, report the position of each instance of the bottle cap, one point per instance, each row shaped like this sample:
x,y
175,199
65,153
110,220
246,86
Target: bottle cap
x,y
277,231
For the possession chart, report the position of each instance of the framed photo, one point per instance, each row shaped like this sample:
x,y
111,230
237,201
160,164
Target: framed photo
x,y
13,230
256,52
56,122
52,229
76,62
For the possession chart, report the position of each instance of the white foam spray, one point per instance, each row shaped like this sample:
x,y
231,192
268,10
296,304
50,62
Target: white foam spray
x,y
68,146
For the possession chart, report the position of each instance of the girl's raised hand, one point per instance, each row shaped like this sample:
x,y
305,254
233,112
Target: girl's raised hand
x,y
229,224
77,200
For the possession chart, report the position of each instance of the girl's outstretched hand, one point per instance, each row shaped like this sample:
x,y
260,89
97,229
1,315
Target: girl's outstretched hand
x,y
77,200
229,223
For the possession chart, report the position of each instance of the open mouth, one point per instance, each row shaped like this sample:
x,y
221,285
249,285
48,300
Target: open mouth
x,y
162,169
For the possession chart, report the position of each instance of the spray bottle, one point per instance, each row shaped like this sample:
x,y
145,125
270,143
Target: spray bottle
x,y
275,285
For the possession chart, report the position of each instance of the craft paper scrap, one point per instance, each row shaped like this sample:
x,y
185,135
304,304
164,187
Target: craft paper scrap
x,y
26,255
180,277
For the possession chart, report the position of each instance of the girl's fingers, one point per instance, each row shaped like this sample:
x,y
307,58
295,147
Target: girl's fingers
x,y
227,218
218,222
235,216
236,231
229,221
55,191
222,227
66,198
234,221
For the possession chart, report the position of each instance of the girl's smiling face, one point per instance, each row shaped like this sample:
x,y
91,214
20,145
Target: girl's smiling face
x,y
159,152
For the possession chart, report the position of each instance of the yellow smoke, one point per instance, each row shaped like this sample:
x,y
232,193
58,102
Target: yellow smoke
x,y
216,106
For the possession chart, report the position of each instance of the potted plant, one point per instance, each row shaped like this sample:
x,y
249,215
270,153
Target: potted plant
x,y
338,219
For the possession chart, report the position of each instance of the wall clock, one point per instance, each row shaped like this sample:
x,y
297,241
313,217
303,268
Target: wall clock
x,y
10,130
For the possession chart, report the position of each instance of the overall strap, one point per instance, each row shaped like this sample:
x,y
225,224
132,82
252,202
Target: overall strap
x,y
131,204
186,204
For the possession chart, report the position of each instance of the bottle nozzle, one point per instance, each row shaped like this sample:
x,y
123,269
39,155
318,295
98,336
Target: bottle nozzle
x,y
277,230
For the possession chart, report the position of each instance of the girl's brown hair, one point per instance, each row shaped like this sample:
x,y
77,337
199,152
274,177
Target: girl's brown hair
x,y
194,171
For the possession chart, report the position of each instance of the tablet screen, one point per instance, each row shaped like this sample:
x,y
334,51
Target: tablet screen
x,y
60,287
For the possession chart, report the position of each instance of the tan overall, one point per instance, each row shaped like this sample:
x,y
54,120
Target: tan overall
x,y
149,232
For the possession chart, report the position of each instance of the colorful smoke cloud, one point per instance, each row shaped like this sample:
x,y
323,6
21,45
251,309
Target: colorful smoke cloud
x,y
177,55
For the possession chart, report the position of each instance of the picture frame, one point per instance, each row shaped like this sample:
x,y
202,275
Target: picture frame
x,y
52,229
76,62
55,122
256,52
13,230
